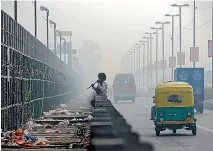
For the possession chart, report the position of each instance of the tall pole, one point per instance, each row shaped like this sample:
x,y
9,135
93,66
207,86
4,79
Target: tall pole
x,y
132,62
48,29
144,64
35,16
60,45
156,70
150,60
212,39
194,36
180,37
173,17
156,78
172,46
147,62
163,48
15,10
180,15
55,38
65,57
139,65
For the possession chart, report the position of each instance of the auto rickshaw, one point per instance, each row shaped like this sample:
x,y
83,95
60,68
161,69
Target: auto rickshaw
x,y
174,107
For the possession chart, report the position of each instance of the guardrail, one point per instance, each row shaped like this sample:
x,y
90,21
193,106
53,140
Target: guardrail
x,y
110,131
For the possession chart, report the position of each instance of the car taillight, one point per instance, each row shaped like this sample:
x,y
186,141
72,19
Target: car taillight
x,y
189,114
161,114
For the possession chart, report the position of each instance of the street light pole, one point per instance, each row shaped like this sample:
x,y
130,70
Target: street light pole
x,y
139,63
54,24
211,52
131,62
42,8
147,73
35,16
150,34
64,48
15,10
163,23
173,16
180,12
194,34
156,78
142,72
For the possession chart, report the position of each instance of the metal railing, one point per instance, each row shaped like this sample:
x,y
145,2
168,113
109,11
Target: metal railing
x,y
33,78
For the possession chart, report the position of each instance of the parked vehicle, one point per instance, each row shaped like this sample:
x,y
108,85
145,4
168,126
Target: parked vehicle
x,y
124,87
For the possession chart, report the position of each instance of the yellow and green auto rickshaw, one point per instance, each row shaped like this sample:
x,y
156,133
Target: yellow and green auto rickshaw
x,y
174,107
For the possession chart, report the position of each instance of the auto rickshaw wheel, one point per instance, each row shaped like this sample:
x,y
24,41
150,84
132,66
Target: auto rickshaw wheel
x,y
194,132
157,133
174,131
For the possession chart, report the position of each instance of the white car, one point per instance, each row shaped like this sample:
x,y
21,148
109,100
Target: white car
x,y
142,91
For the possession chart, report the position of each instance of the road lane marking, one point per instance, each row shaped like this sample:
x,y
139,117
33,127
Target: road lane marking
x,y
207,101
198,126
204,128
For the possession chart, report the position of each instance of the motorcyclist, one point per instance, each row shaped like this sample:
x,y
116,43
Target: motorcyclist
x,y
101,88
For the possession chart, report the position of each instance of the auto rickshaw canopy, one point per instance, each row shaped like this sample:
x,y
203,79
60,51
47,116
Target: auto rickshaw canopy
x,y
174,94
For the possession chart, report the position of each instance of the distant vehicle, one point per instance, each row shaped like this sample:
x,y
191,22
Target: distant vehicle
x,y
142,92
124,87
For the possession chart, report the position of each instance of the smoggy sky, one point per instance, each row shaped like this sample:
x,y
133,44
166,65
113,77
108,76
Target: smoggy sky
x,y
116,25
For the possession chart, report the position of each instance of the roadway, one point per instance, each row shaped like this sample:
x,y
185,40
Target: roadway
x,y
138,115
208,104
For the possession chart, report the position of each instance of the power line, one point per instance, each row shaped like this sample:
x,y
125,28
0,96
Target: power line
x,y
204,8
200,25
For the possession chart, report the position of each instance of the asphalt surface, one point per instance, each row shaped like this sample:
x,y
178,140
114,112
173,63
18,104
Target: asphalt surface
x,y
208,105
138,115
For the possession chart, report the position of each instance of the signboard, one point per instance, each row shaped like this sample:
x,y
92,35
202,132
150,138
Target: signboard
x,y
194,54
156,66
181,58
172,62
162,64
193,76
74,51
150,67
210,48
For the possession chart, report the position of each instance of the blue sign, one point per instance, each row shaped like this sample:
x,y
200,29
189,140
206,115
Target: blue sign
x,y
193,76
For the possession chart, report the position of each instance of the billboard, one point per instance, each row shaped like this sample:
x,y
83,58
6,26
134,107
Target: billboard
x,y
162,64
156,66
181,58
210,48
172,62
194,54
193,76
